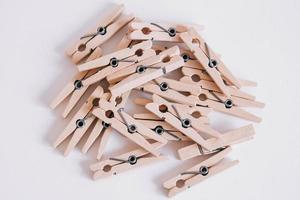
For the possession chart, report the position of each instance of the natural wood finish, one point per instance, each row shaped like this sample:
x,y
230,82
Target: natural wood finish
x,y
214,165
113,22
153,61
82,114
111,167
148,31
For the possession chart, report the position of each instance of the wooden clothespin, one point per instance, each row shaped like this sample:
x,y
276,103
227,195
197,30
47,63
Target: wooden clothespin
x,y
196,117
127,126
160,127
80,122
208,59
100,128
231,106
179,119
117,164
240,98
116,61
156,32
172,90
232,137
211,100
75,89
205,169
163,64
96,36
141,67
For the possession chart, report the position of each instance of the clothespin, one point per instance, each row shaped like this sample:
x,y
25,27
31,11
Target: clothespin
x,y
160,127
172,90
209,99
117,164
80,122
240,98
229,138
208,59
96,36
163,65
74,88
196,117
231,106
141,67
116,61
205,169
127,126
179,119
156,32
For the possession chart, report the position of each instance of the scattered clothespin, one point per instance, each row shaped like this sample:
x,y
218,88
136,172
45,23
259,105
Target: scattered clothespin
x,y
210,62
160,127
140,68
205,169
156,32
127,126
172,90
80,122
117,164
157,124
74,88
166,64
96,36
183,122
230,106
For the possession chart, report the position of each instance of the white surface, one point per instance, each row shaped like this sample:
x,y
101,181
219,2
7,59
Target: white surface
x,y
258,40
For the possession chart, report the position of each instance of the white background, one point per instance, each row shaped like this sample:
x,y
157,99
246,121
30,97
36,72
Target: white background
x,y
258,40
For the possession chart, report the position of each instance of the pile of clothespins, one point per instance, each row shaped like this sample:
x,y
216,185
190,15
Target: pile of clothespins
x,y
177,110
